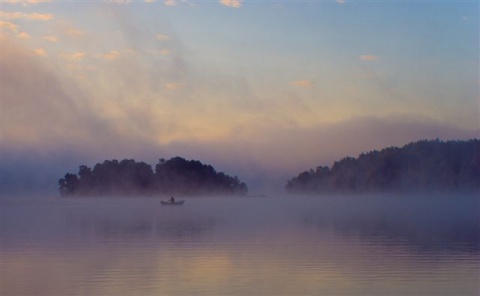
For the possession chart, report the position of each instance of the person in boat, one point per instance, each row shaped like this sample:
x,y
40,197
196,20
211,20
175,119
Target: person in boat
x,y
172,200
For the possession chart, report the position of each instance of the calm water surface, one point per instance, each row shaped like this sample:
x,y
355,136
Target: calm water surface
x,y
241,246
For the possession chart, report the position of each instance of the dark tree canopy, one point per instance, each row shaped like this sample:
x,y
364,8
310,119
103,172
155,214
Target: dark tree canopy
x,y
419,166
128,177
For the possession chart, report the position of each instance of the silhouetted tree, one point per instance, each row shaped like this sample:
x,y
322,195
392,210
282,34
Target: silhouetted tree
x,y
419,166
68,184
181,176
128,177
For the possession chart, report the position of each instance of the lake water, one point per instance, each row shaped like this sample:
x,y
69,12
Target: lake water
x,y
241,246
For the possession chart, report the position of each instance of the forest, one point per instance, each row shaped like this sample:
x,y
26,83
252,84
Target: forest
x,y
423,166
176,176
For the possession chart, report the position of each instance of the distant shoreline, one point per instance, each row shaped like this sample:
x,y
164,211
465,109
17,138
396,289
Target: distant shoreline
x,y
418,167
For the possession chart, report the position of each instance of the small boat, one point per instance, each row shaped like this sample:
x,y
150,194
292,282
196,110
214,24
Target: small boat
x,y
169,203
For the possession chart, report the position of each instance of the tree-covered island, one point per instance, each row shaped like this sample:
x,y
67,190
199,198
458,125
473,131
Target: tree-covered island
x,y
428,166
175,176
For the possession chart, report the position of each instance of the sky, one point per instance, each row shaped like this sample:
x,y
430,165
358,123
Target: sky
x,y
258,89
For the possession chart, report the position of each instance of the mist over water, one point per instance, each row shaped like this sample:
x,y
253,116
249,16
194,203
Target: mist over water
x,y
341,245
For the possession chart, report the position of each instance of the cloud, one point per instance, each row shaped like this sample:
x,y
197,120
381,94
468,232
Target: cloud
x,y
302,83
163,37
162,52
174,85
368,57
75,56
51,110
9,26
170,2
232,3
41,108
120,1
26,3
40,52
340,1
23,35
52,124
26,16
52,39
114,54
75,32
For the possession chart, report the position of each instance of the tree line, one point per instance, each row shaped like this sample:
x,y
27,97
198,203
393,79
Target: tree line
x,y
419,166
176,176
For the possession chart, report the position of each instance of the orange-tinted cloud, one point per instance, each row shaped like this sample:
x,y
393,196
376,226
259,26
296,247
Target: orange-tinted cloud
x,y
170,2
75,32
40,52
52,39
75,56
369,57
232,3
26,16
174,85
163,37
23,35
120,1
302,83
9,26
114,54
26,2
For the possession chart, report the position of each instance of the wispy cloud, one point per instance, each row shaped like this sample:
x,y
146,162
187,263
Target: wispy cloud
x,y
340,1
23,35
368,57
21,88
120,1
26,16
232,3
75,32
75,56
9,26
170,2
302,83
26,2
174,85
114,54
163,37
52,39
159,51
66,29
40,52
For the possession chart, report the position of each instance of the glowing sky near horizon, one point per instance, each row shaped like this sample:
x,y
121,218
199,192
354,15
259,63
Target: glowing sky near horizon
x,y
280,84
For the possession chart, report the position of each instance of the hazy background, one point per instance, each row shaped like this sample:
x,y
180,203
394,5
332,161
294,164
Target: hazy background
x,y
261,90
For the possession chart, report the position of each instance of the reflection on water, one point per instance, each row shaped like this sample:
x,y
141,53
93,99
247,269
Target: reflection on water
x,y
265,246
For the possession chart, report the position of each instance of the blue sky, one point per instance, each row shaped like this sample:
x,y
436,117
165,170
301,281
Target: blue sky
x,y
259,89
